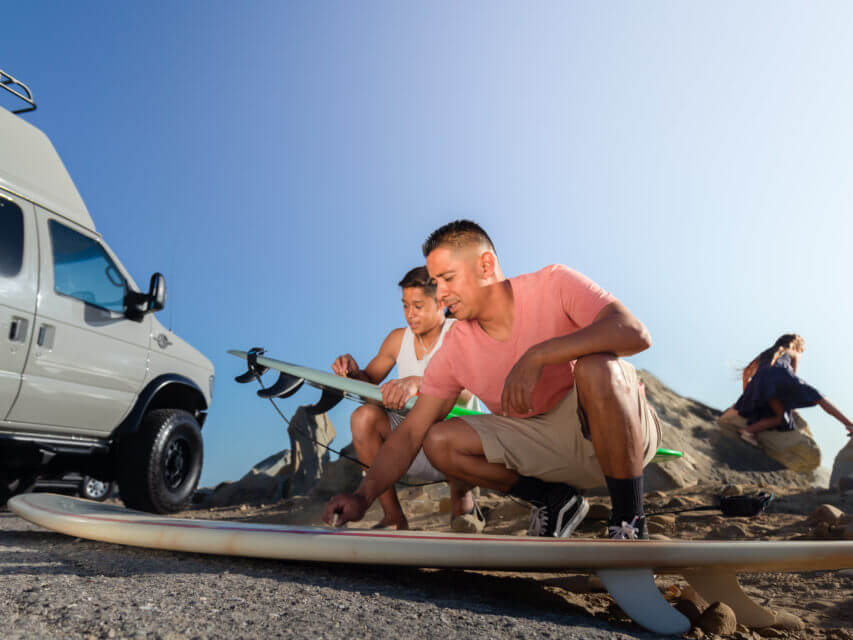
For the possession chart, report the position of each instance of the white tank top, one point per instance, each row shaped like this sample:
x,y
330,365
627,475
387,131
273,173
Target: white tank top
x,y
409,365
407,362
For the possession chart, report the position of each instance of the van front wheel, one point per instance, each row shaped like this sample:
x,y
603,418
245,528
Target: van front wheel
x,y
160,465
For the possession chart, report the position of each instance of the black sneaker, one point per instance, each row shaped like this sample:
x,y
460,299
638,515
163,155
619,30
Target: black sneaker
x,y
559,512
634,530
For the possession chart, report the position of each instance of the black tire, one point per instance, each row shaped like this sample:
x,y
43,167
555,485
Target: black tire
x,y
11,484
159,467
93,489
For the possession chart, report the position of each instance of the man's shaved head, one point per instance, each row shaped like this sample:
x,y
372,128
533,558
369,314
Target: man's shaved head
x,y
458,234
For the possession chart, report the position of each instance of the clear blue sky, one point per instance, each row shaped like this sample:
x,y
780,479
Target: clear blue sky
x,y
281,163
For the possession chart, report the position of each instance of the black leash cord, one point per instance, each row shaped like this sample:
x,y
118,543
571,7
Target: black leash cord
x,y
327,447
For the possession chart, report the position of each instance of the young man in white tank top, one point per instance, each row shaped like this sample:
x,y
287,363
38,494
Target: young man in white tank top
x,y
411,349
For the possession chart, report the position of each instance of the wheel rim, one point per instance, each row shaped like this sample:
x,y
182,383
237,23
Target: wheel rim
x,y
95,488
177,463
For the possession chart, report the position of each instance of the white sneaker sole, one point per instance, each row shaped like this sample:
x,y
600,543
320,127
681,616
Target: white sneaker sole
x,y
564,530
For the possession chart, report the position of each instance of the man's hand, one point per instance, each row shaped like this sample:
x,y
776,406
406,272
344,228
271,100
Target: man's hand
x,y
517,395
345,366
396,393
345,507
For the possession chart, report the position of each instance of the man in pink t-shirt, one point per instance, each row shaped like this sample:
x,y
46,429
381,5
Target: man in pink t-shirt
x,y
542,351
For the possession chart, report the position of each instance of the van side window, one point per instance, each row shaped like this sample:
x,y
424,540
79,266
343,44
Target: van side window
x,y
83,270
11,238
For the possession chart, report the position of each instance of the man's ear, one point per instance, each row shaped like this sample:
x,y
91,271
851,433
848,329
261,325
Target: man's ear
x,y
487,265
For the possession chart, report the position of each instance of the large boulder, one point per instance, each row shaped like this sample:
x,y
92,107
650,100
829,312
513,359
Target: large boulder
x,y
842,469
796,449
341,476
310,434
266,482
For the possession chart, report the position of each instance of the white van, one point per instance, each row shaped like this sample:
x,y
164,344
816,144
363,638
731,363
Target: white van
x,y
90,381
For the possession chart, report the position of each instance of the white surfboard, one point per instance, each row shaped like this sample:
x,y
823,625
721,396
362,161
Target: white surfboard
x,y
625,567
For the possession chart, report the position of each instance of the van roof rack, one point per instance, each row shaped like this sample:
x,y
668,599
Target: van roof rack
x,y
19,89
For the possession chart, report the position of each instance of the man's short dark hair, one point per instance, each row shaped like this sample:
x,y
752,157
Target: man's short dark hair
x,y
419,277
456,234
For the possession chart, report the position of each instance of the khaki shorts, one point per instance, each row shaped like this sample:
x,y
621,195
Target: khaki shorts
x,y
552,446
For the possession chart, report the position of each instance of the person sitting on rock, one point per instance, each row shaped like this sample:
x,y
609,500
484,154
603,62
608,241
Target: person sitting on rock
x,y
411,349
541,350
772,390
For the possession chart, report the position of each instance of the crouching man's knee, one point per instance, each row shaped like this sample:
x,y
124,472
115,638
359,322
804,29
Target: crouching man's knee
x,y
437,442
600,375
363,421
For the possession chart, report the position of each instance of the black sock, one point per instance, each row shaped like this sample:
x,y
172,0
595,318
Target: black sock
x,y
529,488
626,495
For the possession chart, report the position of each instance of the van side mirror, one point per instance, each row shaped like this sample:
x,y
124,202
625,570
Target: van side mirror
x,y
157,292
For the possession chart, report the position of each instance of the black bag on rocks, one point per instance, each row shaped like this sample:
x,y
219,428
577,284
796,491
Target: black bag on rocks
x,y
747,505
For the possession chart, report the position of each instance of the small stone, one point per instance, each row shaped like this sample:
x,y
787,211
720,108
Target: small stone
x,y
733,490
598,512
718,618
732,532
655,528
660,524
689,593
467,523
689,610
770,632
788,621
827,513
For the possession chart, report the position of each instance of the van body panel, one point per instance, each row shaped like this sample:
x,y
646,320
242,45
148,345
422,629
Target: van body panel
x,y
31,168
87,377
170,353
17,297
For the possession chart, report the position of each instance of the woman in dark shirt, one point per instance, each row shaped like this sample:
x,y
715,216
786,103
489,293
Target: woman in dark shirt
x,y
772,390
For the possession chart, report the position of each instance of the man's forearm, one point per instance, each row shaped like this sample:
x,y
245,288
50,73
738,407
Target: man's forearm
x,y
616,333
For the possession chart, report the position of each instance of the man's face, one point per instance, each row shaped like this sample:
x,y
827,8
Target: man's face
x,y
421,310
455,274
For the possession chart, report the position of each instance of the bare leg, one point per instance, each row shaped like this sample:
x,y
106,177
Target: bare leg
x,y
771,422
370,428
461,499
731,412
454,448
611,408
830,408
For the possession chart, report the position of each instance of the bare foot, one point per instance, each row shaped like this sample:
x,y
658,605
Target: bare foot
x,y
461,502
746,436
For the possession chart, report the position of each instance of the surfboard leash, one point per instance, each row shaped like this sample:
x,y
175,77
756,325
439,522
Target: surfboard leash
x,y
306,434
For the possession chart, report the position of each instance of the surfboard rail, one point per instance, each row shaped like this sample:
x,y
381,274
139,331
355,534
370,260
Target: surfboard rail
x,y
626,567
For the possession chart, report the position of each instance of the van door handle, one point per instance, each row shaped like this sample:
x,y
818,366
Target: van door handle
x,y
46,335
18,329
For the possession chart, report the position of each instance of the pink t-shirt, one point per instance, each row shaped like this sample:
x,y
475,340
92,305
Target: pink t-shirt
x,y
549,303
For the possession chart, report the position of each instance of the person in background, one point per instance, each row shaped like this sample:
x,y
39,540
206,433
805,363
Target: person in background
x,y
772,390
